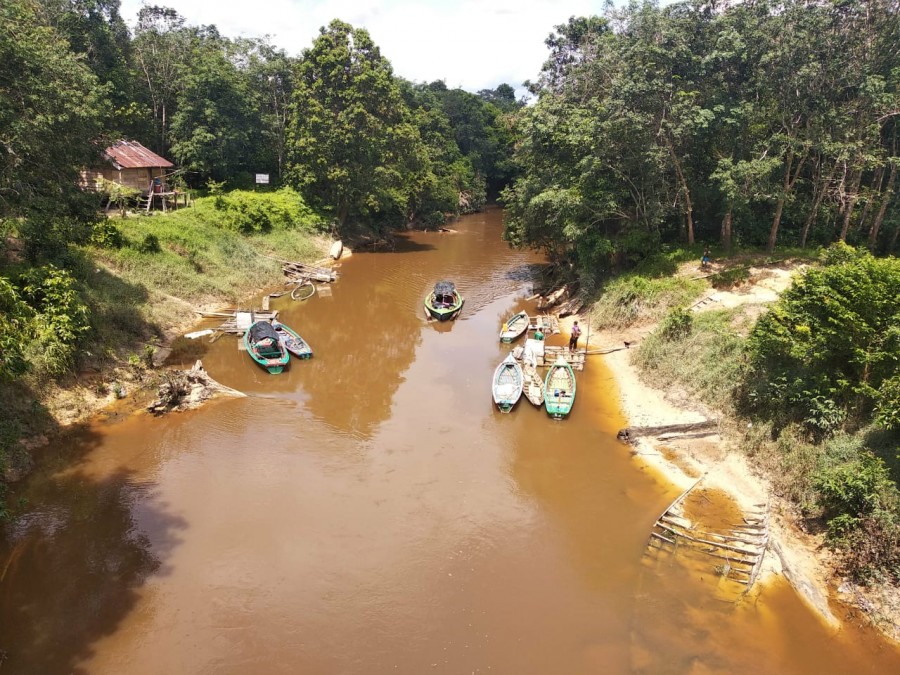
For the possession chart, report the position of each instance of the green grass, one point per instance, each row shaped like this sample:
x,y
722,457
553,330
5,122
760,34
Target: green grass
x,y
634,299
137,291
708,360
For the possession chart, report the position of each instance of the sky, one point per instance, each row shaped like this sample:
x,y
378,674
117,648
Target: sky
x,y
471,44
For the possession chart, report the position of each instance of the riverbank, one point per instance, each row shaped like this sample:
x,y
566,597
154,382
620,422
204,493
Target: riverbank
x,y
143,283
799,556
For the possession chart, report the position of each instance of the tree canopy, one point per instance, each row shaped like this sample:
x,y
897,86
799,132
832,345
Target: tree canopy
x,y
759,123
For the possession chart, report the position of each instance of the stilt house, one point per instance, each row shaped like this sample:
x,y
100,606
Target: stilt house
x,y
132,165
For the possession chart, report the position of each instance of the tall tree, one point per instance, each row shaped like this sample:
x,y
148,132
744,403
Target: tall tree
x,y
354,148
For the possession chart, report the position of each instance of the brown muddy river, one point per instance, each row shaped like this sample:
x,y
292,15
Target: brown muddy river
x,y
369,511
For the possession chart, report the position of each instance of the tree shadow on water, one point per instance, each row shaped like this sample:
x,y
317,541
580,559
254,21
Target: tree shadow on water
x,y
72,565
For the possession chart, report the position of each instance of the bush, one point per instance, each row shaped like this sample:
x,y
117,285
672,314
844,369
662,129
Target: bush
x,y
677,325
632,299
150,244
106,235
830,345
261,212
730,278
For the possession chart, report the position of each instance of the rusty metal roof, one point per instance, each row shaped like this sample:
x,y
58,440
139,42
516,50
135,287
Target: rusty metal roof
x,y
133,155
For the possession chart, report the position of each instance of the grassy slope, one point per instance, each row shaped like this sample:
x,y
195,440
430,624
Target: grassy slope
x,y
199,263
709,362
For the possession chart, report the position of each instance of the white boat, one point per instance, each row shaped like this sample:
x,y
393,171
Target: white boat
x,y
336,249
508,383
514,327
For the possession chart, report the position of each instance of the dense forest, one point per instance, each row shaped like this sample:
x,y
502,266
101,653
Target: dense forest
x,y
755,123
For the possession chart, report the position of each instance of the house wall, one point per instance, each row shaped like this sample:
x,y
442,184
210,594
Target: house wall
x,y
139,179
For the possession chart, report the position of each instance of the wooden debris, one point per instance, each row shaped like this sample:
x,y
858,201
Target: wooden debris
x,y
631,433
742,548
235,321
297,272
187,389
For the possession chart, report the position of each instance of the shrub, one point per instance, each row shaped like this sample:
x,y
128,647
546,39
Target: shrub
x,y
677,325
260,212
106,235
729,278
826,349
150,244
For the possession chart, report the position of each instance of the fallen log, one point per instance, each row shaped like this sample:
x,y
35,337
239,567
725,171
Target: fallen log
x,y
631,433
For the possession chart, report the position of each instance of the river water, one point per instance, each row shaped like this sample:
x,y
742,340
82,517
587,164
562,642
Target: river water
x,y
368,511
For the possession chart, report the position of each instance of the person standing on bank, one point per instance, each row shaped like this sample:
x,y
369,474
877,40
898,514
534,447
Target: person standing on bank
x,y
576,333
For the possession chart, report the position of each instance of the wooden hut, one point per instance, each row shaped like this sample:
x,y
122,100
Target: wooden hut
x,y
131,164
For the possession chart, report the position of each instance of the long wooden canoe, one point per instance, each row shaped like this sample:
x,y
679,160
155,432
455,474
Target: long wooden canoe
x,y
444,302
534,386
292,341
559,389
507,384
514,327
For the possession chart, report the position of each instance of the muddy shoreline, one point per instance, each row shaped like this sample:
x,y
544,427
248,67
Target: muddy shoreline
x,y
799,557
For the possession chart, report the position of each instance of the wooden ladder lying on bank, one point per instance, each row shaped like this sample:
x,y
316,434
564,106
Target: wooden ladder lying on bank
x,y
741,546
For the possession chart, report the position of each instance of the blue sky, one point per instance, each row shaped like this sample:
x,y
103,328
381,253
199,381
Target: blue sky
x,y
473,44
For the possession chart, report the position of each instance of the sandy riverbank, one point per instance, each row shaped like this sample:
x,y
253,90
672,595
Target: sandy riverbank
x,y
682,459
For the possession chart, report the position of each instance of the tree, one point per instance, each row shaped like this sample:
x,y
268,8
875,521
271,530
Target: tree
x,y
353,146
49,119
215,128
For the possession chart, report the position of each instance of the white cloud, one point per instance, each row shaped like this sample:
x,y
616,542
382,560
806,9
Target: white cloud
x,y
473,44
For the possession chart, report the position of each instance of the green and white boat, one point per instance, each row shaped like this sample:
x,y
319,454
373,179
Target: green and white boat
x,y
264,346
559,389
444,302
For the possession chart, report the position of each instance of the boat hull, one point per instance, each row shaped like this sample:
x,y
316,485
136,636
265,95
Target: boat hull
x,y
559,390
507,384
514,327
272,357
443,313
295,344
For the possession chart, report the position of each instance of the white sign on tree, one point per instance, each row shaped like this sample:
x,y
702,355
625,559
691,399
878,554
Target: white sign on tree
x,y
262,179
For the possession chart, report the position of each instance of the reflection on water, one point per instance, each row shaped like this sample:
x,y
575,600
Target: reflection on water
x,y
370,511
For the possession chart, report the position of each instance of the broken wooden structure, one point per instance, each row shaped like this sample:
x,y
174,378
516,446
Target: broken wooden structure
x,y
238,321
540,354
548,323
301,273
668,431
735,553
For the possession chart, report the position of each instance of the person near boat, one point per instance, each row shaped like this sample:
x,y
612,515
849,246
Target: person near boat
x,y
539,333
573,340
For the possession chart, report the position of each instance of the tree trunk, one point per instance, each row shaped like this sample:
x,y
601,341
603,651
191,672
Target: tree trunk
x,y
688,206
848,212
726,232
879,217
894,239
779,207
876,191
814,211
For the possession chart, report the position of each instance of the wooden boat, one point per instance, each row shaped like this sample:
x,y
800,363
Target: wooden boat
x,y
514,327
444,302
295,344
264,347
507,384
336,249
559,389
534,386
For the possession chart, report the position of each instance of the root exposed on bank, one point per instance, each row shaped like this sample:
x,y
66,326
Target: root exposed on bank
x,y
188,389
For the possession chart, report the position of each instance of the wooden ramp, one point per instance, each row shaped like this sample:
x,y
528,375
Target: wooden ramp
x,y
548,322
735,553
574,359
